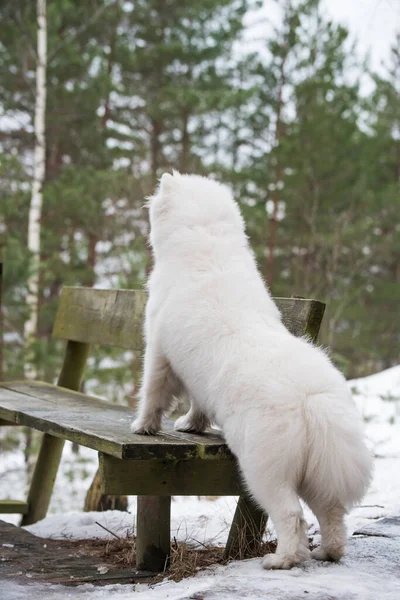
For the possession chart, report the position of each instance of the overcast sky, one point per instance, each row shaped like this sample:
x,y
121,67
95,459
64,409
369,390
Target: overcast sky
x,y
373,22
372,25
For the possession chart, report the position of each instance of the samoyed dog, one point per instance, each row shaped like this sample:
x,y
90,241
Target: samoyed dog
x,y
214,334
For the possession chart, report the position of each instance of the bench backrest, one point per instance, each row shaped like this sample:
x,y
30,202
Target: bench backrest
x,y
106,317
115,317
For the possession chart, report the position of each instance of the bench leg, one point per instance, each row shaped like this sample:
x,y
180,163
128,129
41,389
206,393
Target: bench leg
x,y
43,479
51,447
153,533
247,529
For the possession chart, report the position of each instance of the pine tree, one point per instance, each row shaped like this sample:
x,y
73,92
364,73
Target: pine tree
x,y
175,64
381,323
138,88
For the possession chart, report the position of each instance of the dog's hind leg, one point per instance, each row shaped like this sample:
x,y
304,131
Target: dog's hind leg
x,y
333,533
160,385
194,421
287,516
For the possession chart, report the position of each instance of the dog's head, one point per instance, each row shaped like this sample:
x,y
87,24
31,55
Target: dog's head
x,y
195,204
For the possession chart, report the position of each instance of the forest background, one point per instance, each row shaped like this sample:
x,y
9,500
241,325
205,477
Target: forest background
x,y
137,88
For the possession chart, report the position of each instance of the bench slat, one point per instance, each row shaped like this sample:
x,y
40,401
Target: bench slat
x,y
301,316
169,478
108,317
115,317
13,507
99,425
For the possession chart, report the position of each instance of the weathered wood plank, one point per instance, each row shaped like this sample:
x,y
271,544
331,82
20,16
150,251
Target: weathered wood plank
x,y
100,425
53,561
48,460
247,529
13,507
43,479
115,317
301,316
109,317
169,477
4,423
76,355
153,533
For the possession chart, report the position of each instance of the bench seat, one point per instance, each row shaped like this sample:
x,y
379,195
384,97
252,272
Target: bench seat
x,y
170,463
100,425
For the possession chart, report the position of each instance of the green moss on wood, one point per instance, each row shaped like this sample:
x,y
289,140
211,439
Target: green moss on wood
x,y
13,507
169,477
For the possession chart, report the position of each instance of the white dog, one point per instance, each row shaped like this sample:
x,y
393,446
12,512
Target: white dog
x,y
214,333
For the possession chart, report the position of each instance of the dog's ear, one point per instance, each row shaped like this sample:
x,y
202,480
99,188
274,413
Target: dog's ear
x,y
167,183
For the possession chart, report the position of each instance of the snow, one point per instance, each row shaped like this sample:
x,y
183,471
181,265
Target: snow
x,y
192,520
370,569
378,399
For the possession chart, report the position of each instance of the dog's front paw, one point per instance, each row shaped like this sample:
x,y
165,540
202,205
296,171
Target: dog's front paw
x,y
144,427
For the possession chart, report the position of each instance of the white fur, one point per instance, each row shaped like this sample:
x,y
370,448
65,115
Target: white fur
x,y
214,333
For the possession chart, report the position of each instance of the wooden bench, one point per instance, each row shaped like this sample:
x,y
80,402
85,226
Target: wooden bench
x,y
152,467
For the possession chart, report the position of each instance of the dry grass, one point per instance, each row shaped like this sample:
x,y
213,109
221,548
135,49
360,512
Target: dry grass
x,y
185,560
121,552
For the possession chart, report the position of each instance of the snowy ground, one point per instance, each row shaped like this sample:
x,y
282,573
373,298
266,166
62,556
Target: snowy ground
x,y
370,570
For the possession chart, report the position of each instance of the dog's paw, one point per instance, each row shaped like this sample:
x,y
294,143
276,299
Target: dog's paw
x,y
190,425
281,561
321,554
144,427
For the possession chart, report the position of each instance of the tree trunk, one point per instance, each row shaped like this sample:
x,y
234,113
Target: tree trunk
x,y
2,244
92,242
185,144
1,312
35,210
155,148
273,221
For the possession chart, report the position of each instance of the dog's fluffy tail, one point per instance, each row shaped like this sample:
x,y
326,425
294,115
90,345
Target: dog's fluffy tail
x,y
339,466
